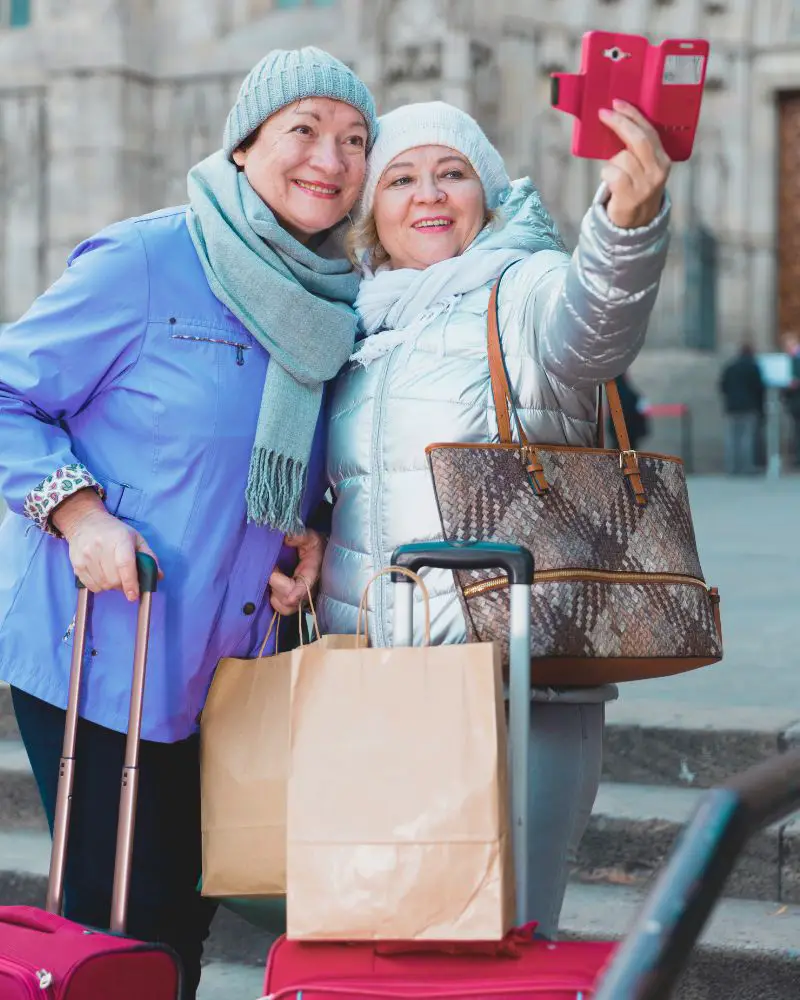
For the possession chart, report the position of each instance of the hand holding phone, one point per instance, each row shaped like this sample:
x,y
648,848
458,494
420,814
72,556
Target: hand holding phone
x,y
665,82
637,176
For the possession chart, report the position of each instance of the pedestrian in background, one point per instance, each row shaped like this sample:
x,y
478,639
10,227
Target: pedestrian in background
x,y
742,389
791,395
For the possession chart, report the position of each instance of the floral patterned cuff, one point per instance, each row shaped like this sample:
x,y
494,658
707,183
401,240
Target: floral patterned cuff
x,y
42,501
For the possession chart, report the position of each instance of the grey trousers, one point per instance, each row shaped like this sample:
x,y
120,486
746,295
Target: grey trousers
x,y
566,751
741,441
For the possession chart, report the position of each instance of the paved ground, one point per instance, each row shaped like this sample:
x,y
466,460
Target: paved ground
x,y
748,534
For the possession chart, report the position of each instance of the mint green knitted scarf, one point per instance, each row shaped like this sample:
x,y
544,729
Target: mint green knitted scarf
x,y
296,304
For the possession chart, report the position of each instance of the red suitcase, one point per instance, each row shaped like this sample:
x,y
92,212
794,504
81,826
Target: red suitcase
x,y
46,957
518,968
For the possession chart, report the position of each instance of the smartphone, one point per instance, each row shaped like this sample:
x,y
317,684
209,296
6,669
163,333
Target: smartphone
x,y
665,82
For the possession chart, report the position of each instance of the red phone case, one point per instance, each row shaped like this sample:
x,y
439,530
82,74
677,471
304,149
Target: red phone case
x,y
665,82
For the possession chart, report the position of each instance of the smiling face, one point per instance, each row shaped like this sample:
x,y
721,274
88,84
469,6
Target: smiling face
x,y
307,163
429,206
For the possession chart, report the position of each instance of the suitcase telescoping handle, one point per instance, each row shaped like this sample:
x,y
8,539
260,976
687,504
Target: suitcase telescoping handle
x,y
148,583
518,565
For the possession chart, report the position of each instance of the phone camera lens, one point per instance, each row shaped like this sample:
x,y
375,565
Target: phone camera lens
x,y
615,54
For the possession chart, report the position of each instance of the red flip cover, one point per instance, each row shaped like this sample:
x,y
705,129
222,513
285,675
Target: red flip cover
x,y
665,82
518,968
48,957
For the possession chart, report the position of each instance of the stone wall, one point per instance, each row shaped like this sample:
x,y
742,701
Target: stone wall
x,y
105,104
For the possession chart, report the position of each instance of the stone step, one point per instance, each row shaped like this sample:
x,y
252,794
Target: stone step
x,y
20,806
633,829
231,981
751,949
674,743
8,724
654,742
24,859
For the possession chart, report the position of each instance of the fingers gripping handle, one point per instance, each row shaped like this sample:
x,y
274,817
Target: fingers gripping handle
x,y
518,564
147,569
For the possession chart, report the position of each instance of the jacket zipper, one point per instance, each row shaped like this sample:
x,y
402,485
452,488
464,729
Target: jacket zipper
x,y
25,975
572,989
378,560
603,576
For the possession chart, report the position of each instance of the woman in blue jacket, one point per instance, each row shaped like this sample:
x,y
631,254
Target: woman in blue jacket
x,y
164,395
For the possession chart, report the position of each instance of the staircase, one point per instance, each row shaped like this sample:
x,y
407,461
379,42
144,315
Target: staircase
x,y
658,759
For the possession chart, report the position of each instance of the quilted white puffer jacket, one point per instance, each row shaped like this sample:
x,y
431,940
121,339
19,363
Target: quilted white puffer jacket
x,y
567,324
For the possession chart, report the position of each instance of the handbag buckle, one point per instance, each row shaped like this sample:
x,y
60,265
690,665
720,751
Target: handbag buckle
x,y
535,470
629,464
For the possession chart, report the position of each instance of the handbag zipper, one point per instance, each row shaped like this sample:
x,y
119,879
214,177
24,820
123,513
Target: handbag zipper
x,y
578,575
25,974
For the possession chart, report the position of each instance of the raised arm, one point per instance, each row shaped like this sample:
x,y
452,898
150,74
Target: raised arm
x,y
585,317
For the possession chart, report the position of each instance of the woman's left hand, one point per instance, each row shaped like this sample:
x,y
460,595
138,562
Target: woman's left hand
x,y
287,593
636,176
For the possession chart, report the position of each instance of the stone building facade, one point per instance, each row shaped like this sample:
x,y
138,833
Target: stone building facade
x,y
105,104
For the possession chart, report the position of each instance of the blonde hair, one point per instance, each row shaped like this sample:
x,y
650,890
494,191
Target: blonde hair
x,y
364,247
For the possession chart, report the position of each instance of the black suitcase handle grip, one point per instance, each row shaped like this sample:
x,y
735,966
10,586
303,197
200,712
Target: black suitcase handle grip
x,y
146,567
514,559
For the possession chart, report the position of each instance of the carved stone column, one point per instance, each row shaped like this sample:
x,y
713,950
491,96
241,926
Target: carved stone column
x,y
98,120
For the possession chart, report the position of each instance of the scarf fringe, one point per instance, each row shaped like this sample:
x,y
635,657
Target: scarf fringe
x,y
275,487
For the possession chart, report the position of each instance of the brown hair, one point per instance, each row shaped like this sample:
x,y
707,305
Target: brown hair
x,y
363,244
249,140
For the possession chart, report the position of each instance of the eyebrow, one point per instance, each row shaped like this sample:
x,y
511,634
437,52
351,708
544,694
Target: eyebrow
x,y
317,117
441,160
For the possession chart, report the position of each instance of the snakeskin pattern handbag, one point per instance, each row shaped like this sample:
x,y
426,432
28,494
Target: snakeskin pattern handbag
x,y
618,593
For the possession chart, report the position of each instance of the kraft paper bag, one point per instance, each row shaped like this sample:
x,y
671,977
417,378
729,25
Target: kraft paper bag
x,y
244,760
398,818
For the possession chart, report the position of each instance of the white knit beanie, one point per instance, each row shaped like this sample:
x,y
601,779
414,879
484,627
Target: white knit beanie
x,y
435,123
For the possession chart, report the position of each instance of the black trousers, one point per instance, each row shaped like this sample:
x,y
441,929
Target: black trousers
x,y
164,903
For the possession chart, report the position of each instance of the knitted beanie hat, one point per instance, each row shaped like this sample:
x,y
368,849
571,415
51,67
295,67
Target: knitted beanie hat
x,y
287,75
435,123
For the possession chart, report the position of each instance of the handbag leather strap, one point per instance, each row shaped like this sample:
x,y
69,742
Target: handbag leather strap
x,y
505,407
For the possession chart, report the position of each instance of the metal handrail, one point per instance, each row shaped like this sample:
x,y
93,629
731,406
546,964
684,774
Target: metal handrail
x,y
654,953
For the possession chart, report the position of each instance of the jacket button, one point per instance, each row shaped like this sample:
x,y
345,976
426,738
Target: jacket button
x,y
249,608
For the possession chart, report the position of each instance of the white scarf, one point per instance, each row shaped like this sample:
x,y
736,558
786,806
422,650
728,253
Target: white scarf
x,y
394,306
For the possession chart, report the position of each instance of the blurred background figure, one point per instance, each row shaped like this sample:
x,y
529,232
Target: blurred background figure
x,y
742,390
634,411
791,395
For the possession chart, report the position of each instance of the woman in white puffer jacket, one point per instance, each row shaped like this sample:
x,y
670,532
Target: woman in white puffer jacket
x,y
440,222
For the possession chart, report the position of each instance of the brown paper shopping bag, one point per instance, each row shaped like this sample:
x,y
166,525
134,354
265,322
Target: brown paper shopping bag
x,y
397,821
244,754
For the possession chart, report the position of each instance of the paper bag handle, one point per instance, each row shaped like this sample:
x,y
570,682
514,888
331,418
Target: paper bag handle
x,y
415,578
312,609
277,617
